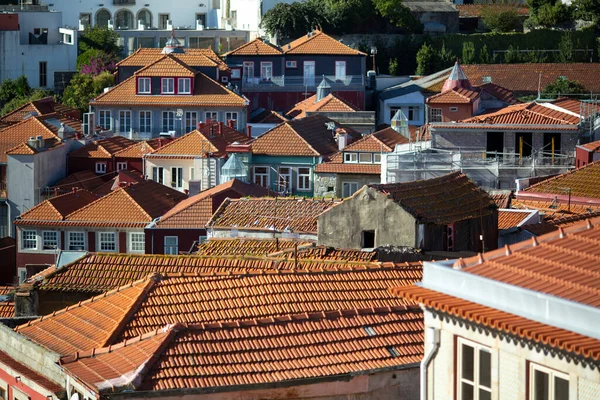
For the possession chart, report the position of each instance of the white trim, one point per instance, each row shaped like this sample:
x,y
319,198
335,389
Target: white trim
x,y
100,170
121,166
365,162
99,241
68,240
149,80
348,159
267,174
206,116
44,241
140,120
299,175
104,116
130,242
35,239
266,64
552,374
349,185
476,378
171,245
162,87
125,112
189,82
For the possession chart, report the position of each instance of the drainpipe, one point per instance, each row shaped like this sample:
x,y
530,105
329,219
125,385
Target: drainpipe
x,y
432,337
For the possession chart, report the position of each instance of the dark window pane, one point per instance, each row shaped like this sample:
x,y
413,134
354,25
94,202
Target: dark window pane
x,y
485,368
561,389
540,389
466,391
468,355
484,395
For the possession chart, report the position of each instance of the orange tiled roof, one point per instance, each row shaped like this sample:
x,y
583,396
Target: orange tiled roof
x,y
267,117
154,302
313,252
454,96
270,214
512,218
477,10
56,208
87,180
582,182
446,199
220,355
200,142
195,211
318,42
7,305
554,209
499,92
592,146
554,223
167,65
503,199
140,149
354,169
206,93
256,47
191,57
103,148
16,134
39,107
328,103
24,371
583,108
245,246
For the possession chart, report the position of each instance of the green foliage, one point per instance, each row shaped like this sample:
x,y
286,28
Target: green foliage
x,y
17,102
445,58
587,10
566,53
426,60
86,57
344,16
500,18
398,14
484,55
548,13
512,55
393,68
468,53
13,89
563,86
292,20
84,87
103,39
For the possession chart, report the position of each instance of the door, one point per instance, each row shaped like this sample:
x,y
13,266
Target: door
x,y
309,73
494,144
285,180
523,142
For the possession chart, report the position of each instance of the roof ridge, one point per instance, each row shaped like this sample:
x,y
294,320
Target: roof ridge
x,y
135,202
161,59
315,152
112,193
249,43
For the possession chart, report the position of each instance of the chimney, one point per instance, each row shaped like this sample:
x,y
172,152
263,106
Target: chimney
x,y
160,143
186,191
61,131
40,141
73,190
342,138
230,123
249,131
220,128
56,191
200,125
32,142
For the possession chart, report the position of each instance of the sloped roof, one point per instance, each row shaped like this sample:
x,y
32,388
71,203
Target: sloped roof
x,y
265,116
103,148
26,372
56,208
141,148
191,57
514,218
317,42
220,355
554,223
39,107
446,199
256,47
195,211
582,108
454,96
246,246
502,198
271,214
17,134
477,10
303,137
87,180
499,92
167,65
582,182
328,103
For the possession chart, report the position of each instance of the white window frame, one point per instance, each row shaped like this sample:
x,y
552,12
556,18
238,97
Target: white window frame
x,y
453,109
247,67
102,241
340,70
57,240
370,158
412,112
376,158
177,174
170,116
131,242
144,85
350,158
145,121
236,73
309,79
31,240
232,115
158,174
211,115
304,180
124,116
101,167
69,240
265,176
284,179
170,85
105,119
183,82
192,173
190,121
171,246
121,165
266,70
435,115
551,375
349,185
477,347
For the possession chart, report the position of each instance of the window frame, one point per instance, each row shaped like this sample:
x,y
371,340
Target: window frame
x,y
247,66
121,166
266,176
172,119
100,241
437,113
130,242
339,76
70,241
57,240
147,117
411,112
360,154
177,173
102,169
158,174
187,118
43,74
453,109
309,80
288,176
552,374
142,86
302,179
266,66
181,82
24,240
350,158
477,347
236,73
162,85
376,158
349,185
160,20
103,117
229,116
126,115
176,245
208,118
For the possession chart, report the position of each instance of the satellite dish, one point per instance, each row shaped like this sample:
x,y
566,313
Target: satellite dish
x,y
179,112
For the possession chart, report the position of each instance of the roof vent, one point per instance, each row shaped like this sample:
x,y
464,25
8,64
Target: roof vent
x,y
486,79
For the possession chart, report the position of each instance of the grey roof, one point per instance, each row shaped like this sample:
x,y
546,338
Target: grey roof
x,y
430,6
457,73
413,86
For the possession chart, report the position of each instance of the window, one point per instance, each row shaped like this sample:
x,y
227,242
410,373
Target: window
x,y
168,121
176,177
200,42
163,20
284,179
266,71
184,85
29,240
100,167
368,242
85,19
158,174
2,393
145,18
365,158
137,242
236,73
22,273
393,111
124,121
201,19
449,237
474,371
303,179
261,176
232,116
190,120
291,64
211,116
350,157
144,85
309,73
102,18
167,85
108,241
145,121
124,20
49,240
43,73
435,115
248,68
547,384
121,166
377,158
349,188
105,119
412,113
76,240
171,246
192,174
453,109
340,70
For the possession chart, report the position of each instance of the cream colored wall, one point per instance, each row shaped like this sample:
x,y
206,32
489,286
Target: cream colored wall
x,y
509,365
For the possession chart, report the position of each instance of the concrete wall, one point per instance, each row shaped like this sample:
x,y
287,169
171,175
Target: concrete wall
x,y
206,170
233,233
415,99
369,210
325,182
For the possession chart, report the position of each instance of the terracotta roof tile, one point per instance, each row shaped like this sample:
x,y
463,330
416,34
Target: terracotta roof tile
x,y
318,42
16,134
503,199
582,182
454,96
7,305
196,211
26,372
267,117
327,104
271,214
256,47
191,57
273,349
140,149
555,209
245,246
38,107
167,65
103,148
56,208
499,92
87,180
313,252
354,169
556,222
446,199
514,218
477,10
592,146
583,108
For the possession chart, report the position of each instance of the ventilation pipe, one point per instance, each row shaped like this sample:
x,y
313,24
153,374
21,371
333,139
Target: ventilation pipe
x,y
432,338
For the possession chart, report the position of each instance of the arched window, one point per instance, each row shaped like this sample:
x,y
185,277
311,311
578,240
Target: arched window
x,y
145,16
124,20
102,18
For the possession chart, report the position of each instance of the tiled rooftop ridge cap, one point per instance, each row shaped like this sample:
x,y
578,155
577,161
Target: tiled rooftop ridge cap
x,y
561,233
588,165
281,319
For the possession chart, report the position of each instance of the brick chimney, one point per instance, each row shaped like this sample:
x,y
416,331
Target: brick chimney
x,y
249,131
220,128
230,123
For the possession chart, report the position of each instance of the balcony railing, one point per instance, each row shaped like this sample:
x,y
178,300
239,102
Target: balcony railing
x,y
299,83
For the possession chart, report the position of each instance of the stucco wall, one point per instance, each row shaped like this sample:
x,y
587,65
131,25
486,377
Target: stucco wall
x,y
342,225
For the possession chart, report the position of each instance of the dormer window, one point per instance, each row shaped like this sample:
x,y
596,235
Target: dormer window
x,y
365,158
144,86
350,157
184,86
167,86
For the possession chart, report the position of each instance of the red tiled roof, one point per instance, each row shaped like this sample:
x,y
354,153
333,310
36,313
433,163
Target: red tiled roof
x,y
454,96
196,211
354,169
256,47
328,103
582,182
245,246
38,107
191,57
16,134
512,218
317,42
477,10
499,92
503,199
446,199
592,146
86,180
553,224
583,108
267,117
167,65
56,208
103,148
140,149
7,305
271,214
554,208
26,372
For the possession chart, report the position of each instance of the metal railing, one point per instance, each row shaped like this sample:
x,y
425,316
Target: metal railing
x,y
282,82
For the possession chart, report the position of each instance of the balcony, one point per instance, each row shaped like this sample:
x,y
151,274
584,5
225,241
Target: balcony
x,y
298,83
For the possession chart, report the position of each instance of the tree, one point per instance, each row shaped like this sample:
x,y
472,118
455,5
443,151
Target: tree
x,y
393,68
344,16
500,17
426,60
512,55
99,38
99,64
17,102
293,20
549,13
587,10
445,58
13,89
398,14
484,55
566,53
563,86
84,87
468,53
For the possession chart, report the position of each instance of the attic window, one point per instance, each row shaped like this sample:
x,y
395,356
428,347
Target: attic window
x,y
392,350
350,157
368,239
369,330
453,109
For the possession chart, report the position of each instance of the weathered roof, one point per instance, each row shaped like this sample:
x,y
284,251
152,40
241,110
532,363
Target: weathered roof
x,y
328,103
40,107
167,65
454,96
141,148
26,372
477,10
256,47
515,218
317,42
103,148
582,182
247,246
264,116
56,208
